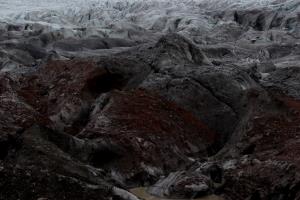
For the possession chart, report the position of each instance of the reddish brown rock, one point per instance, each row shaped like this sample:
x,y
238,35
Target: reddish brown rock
x,y
63,91
150,130
16,114
84,99
270,165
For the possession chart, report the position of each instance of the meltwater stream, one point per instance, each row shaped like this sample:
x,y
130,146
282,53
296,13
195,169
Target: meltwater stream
x,y
142,193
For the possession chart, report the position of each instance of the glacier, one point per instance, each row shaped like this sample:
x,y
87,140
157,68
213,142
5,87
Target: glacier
x,y
112,18
149,99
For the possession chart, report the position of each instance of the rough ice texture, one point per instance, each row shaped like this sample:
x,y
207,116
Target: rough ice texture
x,y
121,9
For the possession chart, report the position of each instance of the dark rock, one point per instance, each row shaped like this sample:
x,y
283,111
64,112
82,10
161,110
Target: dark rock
x,y
266,67
165,138
91,43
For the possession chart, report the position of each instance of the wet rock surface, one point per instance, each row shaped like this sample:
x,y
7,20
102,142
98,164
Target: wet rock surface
x,y
194,99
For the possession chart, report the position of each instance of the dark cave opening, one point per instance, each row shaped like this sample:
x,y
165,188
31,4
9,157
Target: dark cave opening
x,y
104,83
103,157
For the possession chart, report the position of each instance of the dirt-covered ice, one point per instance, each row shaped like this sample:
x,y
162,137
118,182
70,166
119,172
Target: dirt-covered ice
x,y
189,97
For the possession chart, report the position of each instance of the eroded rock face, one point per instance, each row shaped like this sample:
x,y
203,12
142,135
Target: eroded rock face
x,y
82,98
151,131
64,91
191,103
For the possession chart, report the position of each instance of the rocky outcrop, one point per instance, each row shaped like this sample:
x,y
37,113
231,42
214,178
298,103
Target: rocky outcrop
x,y
153,133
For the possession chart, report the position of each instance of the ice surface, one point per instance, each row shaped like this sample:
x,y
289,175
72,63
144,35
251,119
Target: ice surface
x,y
16,8
130,16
